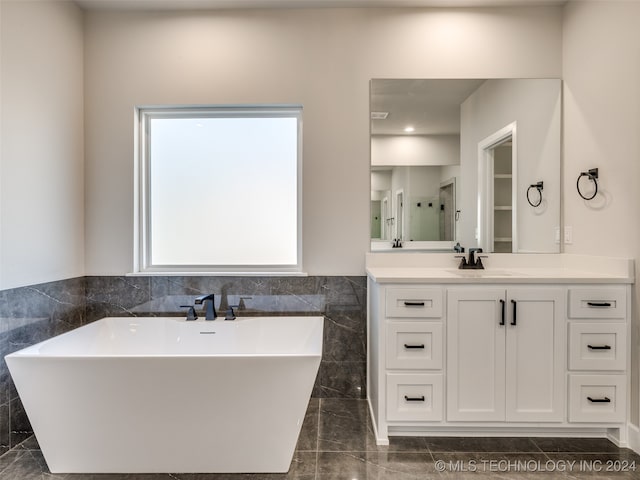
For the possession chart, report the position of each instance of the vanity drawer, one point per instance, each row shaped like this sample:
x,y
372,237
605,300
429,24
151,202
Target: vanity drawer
x,y
414,302
414,397
597,398
414,345
600,302
597,346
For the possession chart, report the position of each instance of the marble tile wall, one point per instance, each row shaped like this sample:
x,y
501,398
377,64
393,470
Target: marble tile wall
x,y
342,301
31,314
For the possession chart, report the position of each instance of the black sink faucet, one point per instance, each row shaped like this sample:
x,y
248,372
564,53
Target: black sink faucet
x,y
211,308
472,263
472,259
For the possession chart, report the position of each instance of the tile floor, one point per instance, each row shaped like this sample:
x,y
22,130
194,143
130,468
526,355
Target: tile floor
x,y
337,443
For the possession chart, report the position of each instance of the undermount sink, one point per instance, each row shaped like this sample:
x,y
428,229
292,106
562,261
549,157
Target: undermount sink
x,y
480,273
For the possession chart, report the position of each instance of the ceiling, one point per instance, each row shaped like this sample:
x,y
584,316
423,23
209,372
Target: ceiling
x,y
431,107
227,4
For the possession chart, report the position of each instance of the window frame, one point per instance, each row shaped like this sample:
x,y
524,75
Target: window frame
x,y
142,190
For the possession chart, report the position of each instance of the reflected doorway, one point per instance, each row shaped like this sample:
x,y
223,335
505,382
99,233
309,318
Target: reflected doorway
x,y
497,219
376,222
399,214
446,218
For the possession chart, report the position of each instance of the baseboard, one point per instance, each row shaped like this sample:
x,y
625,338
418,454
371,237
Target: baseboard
x,y
379,441
633,436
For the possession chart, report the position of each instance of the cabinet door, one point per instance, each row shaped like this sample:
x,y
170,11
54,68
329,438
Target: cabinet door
x,y
475,355
535,356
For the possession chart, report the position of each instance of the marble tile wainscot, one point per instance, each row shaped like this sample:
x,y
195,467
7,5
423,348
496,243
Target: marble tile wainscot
x,y
31,314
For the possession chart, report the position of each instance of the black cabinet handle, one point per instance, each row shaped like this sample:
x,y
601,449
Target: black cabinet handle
x,y
414,346
599,400
502,305
414,304
599,304
414,399
599,347
514,312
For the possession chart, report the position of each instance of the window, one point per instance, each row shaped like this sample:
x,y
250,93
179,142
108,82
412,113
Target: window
x,y
219,189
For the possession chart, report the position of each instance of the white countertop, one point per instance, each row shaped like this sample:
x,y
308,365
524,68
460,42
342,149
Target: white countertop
x,y
500,268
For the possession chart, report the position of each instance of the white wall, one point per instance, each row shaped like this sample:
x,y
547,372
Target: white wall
x,y
380,180
424,180
1,143
415,150
601,74
322,59
41,131
535,106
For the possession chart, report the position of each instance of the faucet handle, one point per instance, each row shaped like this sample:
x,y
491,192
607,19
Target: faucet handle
x,y
231,315
191,313
241,303
479,264
463,261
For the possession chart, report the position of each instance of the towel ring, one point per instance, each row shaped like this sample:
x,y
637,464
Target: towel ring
x,y
592,175
538,187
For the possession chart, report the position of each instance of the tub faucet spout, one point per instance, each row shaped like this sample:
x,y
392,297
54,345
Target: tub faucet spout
x,y
209,302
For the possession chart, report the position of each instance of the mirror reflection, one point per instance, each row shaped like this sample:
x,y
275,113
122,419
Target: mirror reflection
x,y
429,207
452,161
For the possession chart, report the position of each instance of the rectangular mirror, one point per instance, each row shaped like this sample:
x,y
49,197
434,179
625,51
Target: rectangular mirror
x,y
469,161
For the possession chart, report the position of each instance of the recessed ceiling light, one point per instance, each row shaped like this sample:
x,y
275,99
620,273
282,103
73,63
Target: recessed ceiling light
x,y
379,115
409,129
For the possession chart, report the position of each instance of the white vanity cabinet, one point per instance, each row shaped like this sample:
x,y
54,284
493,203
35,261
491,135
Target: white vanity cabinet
x,y
450,354
414,353
597,354
506,354
406,354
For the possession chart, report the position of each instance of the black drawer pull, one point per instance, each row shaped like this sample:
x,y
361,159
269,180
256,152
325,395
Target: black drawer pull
x,y
599,347
599,304
414,346
502,313
414,399
599,400
514,312
414,304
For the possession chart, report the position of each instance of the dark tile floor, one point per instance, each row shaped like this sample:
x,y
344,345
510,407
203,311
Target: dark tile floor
x,y
337,443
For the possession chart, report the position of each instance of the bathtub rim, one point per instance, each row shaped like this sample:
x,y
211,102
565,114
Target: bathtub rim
x,y
31,350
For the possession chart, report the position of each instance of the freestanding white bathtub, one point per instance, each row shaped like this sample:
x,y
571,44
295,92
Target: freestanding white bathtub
x,y
149,395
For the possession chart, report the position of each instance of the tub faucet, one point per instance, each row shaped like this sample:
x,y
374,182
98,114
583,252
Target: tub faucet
x,y
209,302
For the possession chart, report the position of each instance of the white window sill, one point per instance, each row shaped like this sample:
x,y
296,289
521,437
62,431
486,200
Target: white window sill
x,y
217,274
